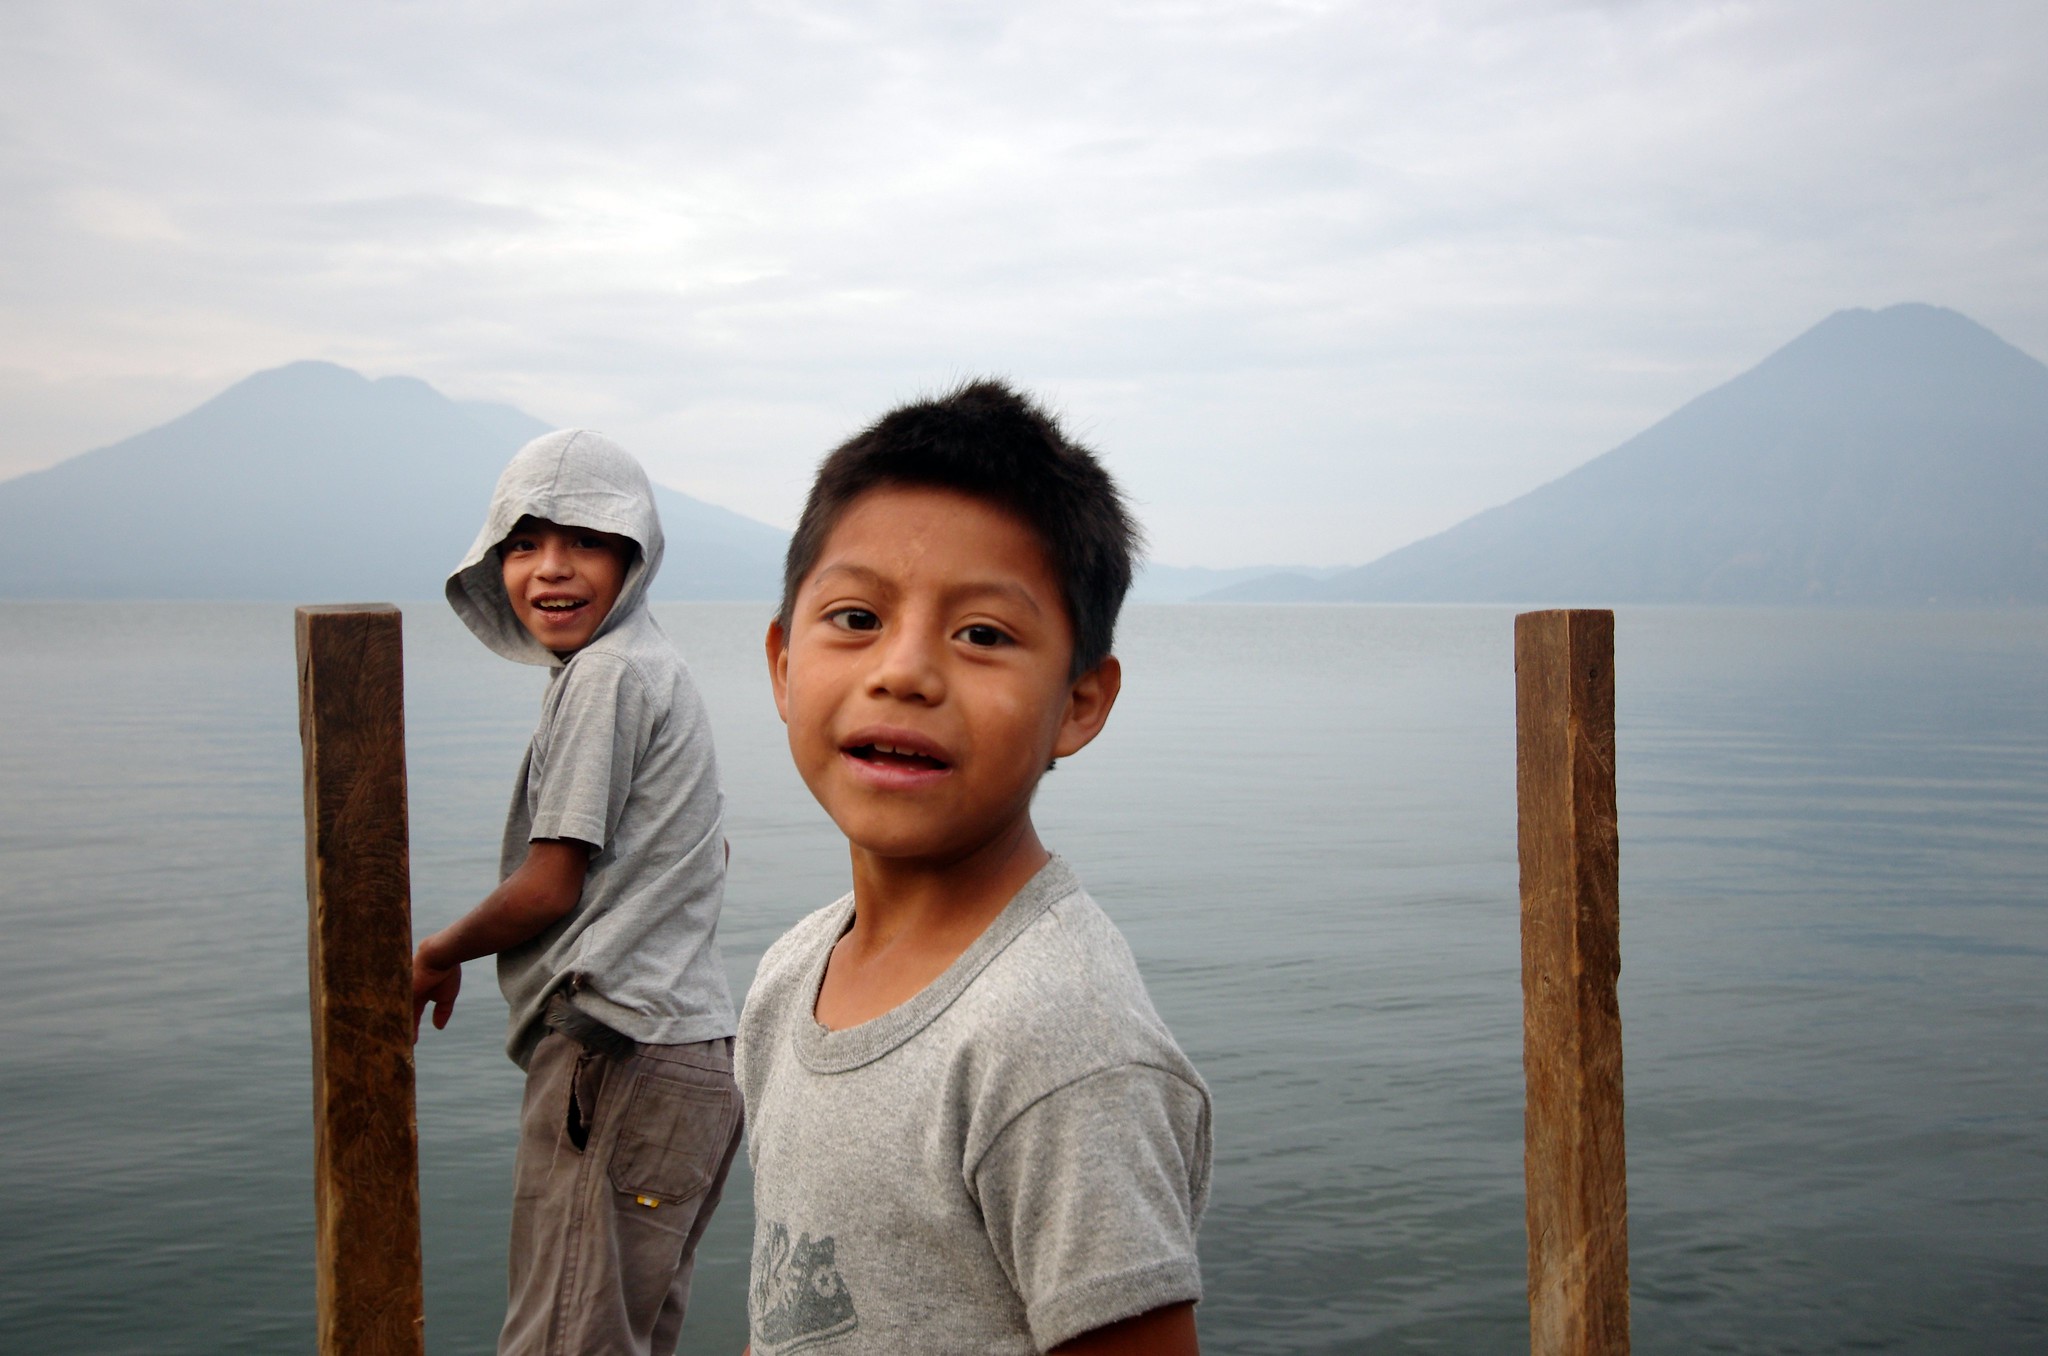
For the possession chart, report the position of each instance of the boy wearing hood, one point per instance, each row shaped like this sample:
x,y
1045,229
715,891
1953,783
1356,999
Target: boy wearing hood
x,y
604,921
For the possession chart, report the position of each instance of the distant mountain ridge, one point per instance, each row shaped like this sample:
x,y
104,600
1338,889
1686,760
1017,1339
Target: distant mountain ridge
x,y
1156,583
313,483
1883,457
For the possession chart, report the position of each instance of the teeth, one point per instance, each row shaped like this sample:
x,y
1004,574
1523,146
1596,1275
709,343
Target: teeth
x,y
557,604
902,752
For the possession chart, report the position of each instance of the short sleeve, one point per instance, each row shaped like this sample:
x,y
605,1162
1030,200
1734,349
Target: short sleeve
x,y
1092,1195
578,786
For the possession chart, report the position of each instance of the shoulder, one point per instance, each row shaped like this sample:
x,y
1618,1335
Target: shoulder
x,y
777,997
1065,1002
636,663
805,938
636,650
595,671
1072,970
785,964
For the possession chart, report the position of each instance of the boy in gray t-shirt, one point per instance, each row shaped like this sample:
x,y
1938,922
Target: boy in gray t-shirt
x,y
970,1131
605,918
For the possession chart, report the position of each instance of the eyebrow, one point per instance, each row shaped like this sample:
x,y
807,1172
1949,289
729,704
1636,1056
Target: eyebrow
x,y
1002,588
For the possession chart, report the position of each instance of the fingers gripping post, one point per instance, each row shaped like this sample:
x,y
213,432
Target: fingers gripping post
x,y
359,948
1571,961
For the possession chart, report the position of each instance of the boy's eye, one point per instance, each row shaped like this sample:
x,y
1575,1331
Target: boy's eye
x,y
854,619
591,542
983,636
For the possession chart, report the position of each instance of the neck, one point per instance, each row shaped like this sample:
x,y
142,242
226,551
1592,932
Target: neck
x,y
953,900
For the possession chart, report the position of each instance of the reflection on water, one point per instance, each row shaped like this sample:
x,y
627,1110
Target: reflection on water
x,y
1834,837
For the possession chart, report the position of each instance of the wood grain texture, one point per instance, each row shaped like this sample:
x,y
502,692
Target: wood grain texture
x,y
1575,1161
359,948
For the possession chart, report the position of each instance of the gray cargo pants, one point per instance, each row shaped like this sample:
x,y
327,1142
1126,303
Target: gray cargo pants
x,y
623,1151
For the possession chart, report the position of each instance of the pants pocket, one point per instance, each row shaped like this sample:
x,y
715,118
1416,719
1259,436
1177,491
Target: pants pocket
x,y
673,1136
586,1085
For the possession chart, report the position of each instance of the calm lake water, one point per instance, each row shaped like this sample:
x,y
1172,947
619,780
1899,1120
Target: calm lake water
x,y
1834,987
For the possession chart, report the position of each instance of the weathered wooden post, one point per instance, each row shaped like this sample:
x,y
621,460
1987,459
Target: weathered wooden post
x,y
1575,1163
359,947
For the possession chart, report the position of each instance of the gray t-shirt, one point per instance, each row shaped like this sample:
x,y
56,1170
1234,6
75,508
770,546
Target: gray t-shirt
x,y
1016,1156
622,760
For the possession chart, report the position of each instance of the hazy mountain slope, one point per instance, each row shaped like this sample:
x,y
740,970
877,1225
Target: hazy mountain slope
x,y
515,427
1156,583
1897,456
311,483
1281,586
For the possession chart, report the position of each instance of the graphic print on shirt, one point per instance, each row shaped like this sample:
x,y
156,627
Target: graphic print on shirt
x,y
798,1296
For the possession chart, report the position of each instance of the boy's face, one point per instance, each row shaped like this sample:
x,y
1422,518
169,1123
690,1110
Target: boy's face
x,y
924,674
562,580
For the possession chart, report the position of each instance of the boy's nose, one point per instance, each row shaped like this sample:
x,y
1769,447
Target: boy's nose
x,y
554,560
907,665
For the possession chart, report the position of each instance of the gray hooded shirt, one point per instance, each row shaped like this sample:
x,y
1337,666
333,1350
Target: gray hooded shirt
x,y
621,760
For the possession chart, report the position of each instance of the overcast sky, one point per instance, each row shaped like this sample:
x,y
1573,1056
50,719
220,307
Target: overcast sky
x,y
1316,278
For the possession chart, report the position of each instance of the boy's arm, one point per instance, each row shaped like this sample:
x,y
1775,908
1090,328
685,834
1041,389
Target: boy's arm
x,y
526,903
1091,1197
1168,1331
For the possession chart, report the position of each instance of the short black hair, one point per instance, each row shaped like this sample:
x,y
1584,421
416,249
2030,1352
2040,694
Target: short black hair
x,y
985,440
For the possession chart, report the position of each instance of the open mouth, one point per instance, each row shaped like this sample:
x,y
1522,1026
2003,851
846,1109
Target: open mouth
x,y
560,604
887,755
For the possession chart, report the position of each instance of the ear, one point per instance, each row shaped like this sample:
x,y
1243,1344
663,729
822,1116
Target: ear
x,y
778,667
1088,703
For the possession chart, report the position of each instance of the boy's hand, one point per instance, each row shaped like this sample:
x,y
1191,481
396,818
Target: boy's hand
x,y
1163,1332
526,903
436,984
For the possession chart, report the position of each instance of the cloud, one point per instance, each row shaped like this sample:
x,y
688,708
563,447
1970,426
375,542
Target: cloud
x,y
1318,278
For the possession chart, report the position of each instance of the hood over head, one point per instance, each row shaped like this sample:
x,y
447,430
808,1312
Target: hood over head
x,y
575,478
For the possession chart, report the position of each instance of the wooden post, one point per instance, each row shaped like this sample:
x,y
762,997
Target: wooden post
x,y
1571,959
359,947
